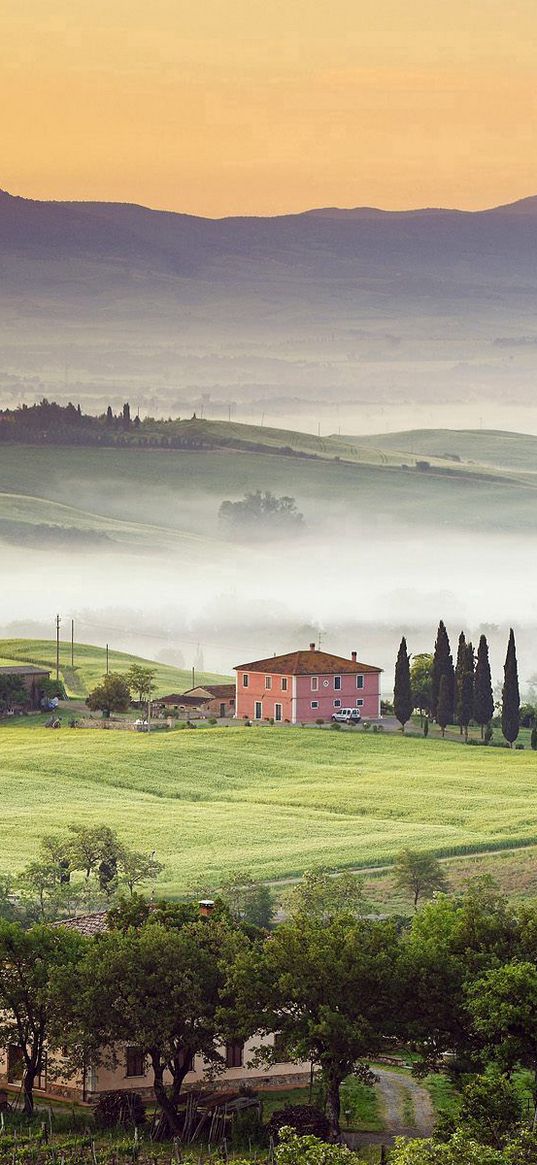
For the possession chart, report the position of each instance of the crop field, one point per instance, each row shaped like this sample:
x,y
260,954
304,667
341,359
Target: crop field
x,y
272,801
90,665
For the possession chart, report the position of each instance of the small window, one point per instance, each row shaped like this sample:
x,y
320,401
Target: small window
x,y
359,703
245,681
314,683
268,682
234,1054
135,1062
337,683
277,712
359,681
337,703
284,683
314,704
258,710
281,1052
186,1059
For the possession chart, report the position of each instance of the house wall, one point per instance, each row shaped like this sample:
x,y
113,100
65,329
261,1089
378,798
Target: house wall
x,y
301,694
258,693
325,695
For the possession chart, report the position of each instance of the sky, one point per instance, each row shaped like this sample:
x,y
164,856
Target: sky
x,y
219,107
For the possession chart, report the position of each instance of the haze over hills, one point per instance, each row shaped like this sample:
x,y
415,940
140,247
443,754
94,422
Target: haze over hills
x,y
331,316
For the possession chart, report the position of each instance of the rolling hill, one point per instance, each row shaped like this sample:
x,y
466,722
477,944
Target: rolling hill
x,y
90,665
326,308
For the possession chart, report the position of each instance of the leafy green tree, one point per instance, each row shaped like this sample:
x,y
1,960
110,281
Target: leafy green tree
x,y
309,1150
328,990
511,693
248,900
420,874
91,845
141,681
443,666
402,691
111,695
261,513
29,960
491,1109
135,868
503,1006
483,697
12,693
444,711
421,675
157,988
460,1150
321,896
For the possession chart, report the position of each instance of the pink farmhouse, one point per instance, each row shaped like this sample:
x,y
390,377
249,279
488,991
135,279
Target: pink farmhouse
x,y
305,686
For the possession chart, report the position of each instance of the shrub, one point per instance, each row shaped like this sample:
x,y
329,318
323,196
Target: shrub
x,y
319,720
488,734
212,721
533,739
305,1119
123,1109
335,726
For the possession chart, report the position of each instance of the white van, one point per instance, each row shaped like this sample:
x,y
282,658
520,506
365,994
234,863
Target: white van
x,y
347,715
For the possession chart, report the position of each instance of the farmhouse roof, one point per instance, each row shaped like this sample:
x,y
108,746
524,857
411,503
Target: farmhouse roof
x,y
88,924
308,663
26,669
217,691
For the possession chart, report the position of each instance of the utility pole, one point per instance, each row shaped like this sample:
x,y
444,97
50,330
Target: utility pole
x,y
58,620
72,643
107,658
193,677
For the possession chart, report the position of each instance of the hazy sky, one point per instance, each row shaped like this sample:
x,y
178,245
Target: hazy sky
x,y
262,106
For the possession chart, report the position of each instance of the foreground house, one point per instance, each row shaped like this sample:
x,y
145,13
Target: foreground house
x,y
305,686
132,1072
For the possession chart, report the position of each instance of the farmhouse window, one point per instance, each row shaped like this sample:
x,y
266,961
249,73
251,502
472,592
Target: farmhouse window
x,y
186,1059
284,683
359,681
314,703
258,710
314,683
359,703
268,682
337,683
134,1062
277,711
337,703
234,1054
281,1052
245,681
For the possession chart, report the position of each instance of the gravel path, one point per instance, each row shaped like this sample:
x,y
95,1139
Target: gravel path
x,y
406,1109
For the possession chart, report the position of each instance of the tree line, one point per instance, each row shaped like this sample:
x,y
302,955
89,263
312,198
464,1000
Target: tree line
x,y
457,693
333,986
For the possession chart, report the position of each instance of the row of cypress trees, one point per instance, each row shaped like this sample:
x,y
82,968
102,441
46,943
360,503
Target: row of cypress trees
x,y
461,693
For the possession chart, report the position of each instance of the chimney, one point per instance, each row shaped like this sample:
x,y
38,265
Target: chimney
x,y
312,647
353,656
206,907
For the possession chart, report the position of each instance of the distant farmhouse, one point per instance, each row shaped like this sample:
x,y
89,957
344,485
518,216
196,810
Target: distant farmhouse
x,y
305,686
31,679
205,700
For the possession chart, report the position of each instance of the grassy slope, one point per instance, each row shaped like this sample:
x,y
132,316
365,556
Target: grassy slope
x,y
268,800
90,664
164,488
489,447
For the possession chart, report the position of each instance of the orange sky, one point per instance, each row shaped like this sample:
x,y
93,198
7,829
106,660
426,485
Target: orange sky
x,y
264,106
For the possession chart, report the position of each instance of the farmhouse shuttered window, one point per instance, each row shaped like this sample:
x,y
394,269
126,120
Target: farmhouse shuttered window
x,y
337,683
314,683
258,710
268,682
359,681
245,681
284,683
135,1065
234,1054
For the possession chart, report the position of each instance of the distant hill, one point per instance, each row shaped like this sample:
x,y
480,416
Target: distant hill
x,y
90,665
329,307
490,447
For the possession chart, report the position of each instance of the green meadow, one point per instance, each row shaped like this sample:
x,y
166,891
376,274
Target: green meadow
x,y
272,801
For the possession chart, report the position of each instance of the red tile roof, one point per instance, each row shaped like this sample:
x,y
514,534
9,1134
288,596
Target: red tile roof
x,y
88,924
308,663
180,701
218,691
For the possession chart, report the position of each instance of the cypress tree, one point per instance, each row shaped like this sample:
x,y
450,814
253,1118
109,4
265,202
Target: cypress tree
x,y
444,710
402,690
483,698
460,672
467,690
443,666
510,693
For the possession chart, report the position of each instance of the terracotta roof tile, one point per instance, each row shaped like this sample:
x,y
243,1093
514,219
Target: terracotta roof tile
x,y
308,663
88,924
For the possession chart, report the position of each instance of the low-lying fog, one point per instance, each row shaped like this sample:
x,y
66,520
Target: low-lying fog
x,y
220,603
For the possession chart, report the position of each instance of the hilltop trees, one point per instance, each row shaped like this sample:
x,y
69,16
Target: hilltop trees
x,y
262,514
402,692
444,711
511,693
421,681
483,698
465,702
443,667
141,681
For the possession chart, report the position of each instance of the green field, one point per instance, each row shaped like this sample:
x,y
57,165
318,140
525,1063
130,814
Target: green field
x,y
170,497
90,665
269,800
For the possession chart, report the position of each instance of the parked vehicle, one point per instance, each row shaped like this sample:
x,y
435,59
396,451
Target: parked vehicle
x,y
347,716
